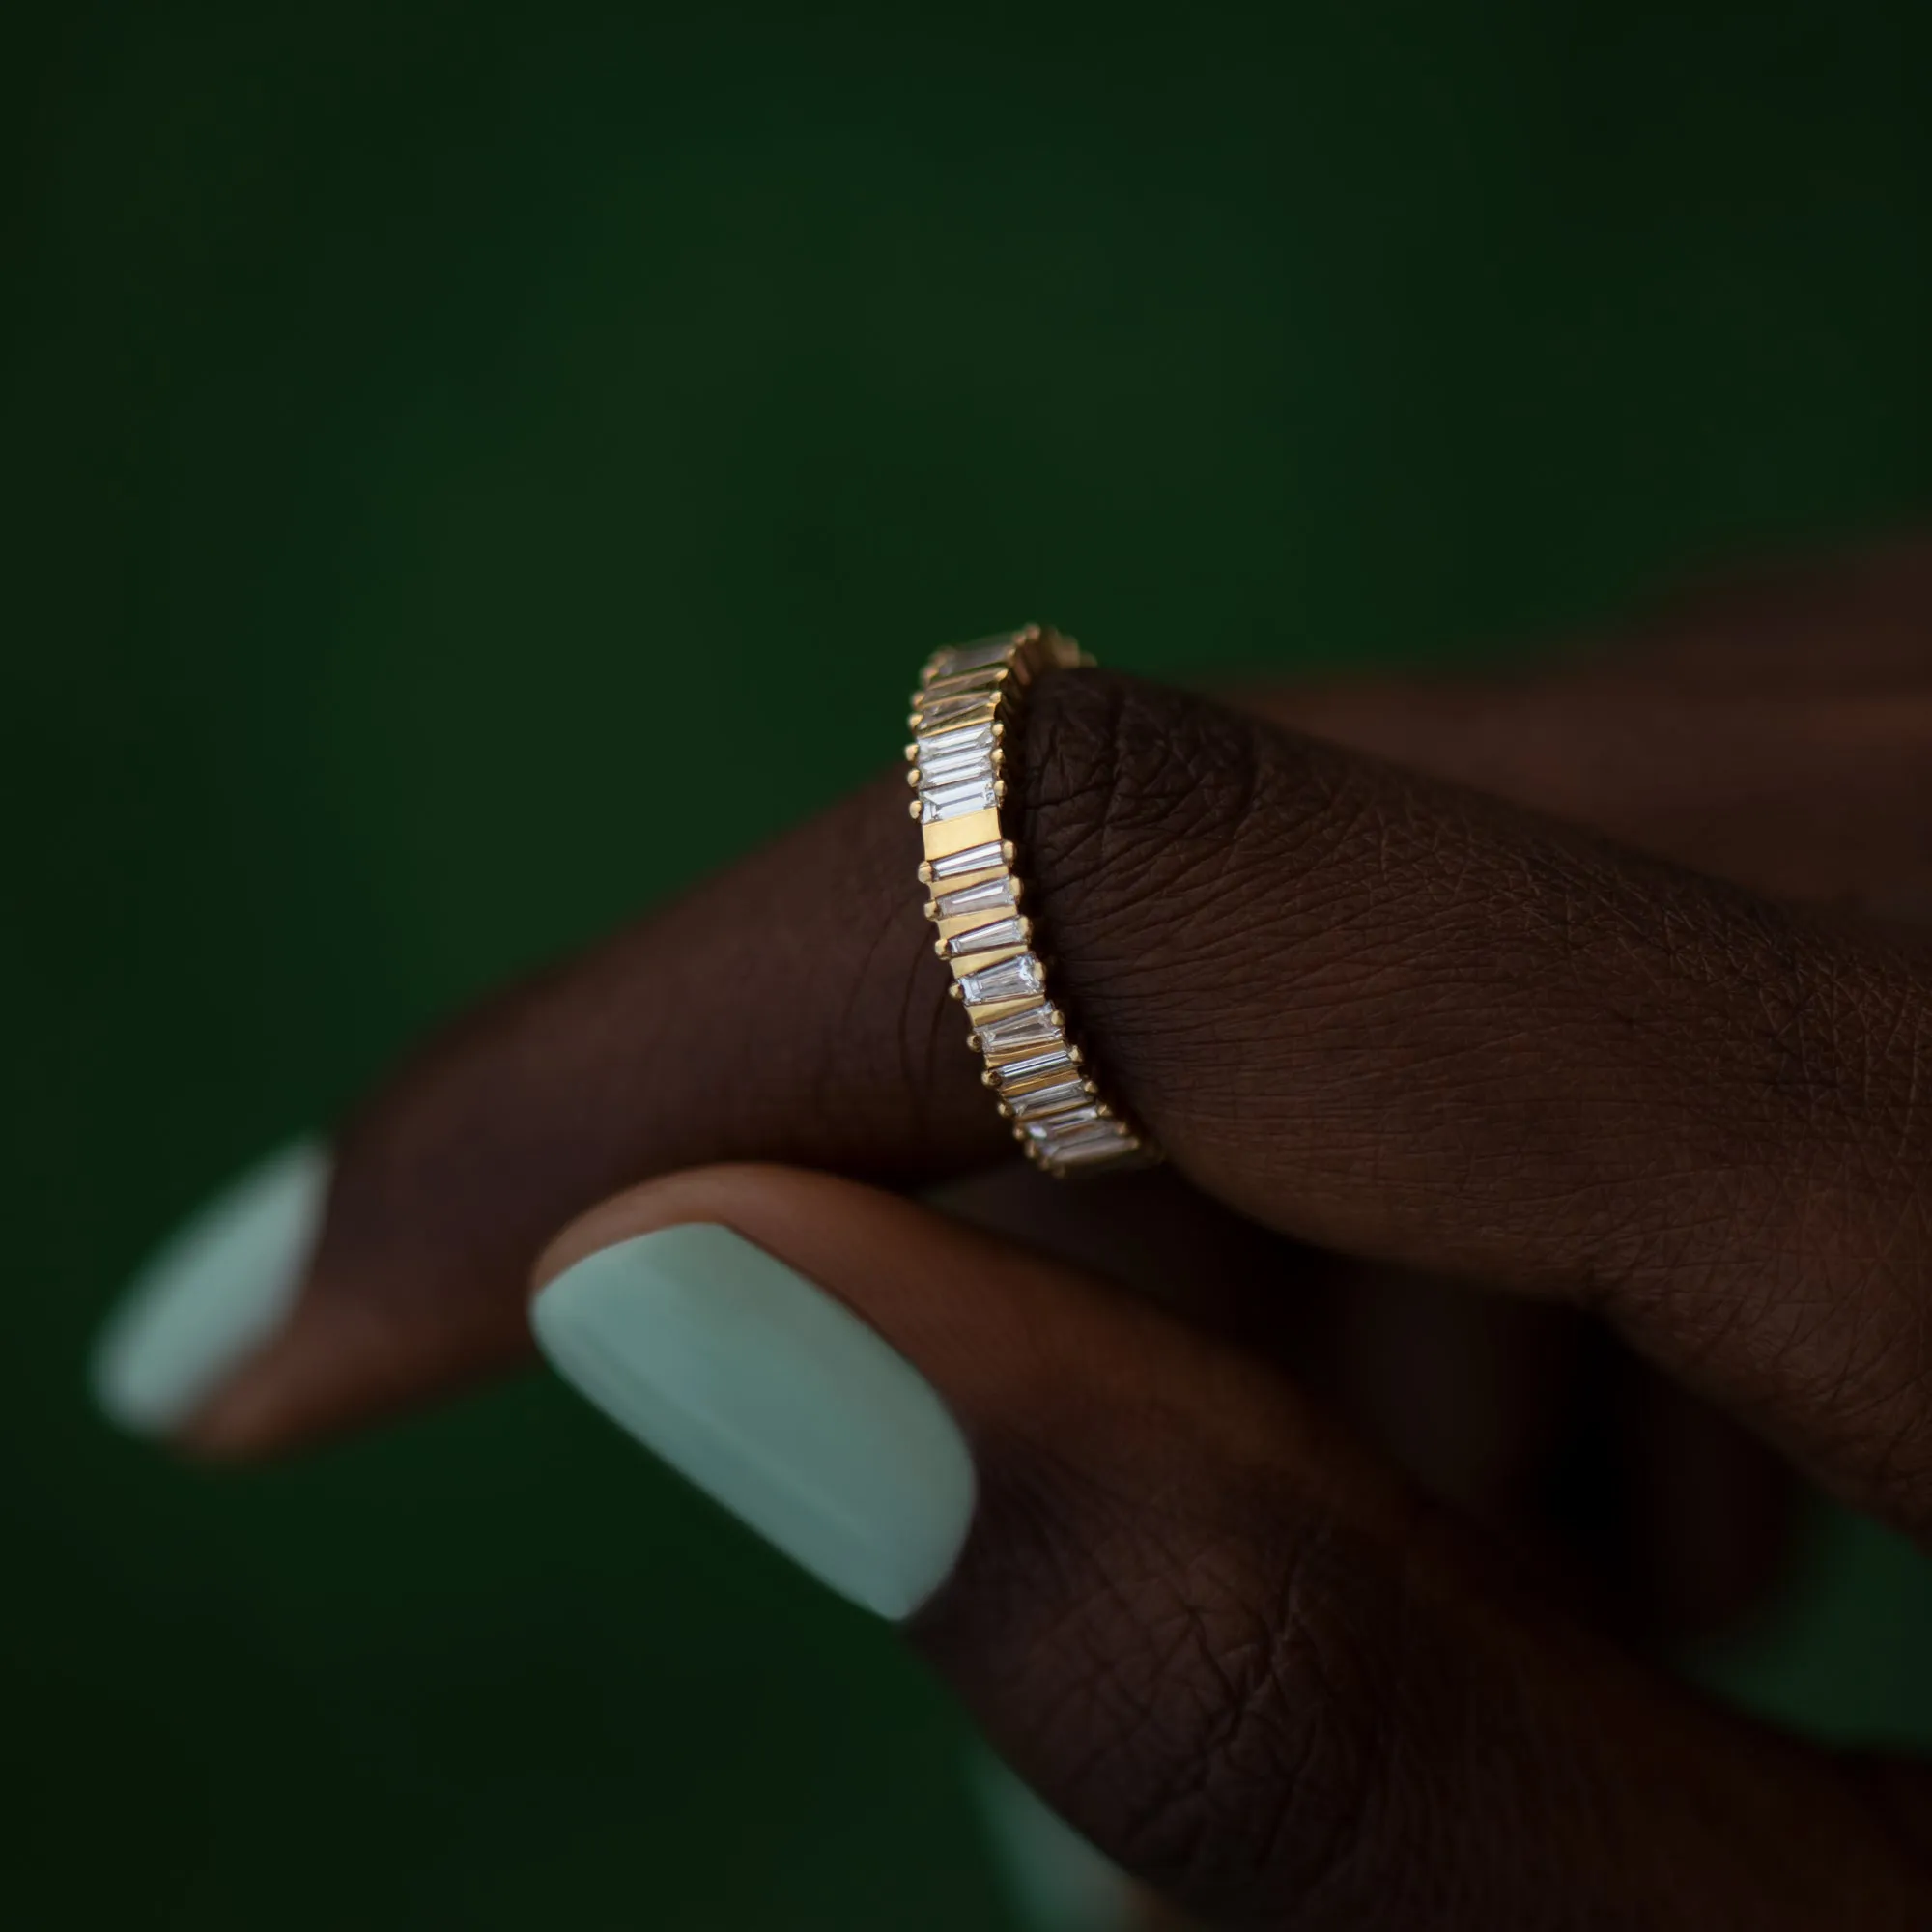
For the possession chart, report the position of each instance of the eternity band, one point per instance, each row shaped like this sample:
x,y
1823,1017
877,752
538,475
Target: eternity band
x,y
966,699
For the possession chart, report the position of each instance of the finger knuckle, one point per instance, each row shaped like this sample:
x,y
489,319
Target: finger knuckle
x,y
1137,812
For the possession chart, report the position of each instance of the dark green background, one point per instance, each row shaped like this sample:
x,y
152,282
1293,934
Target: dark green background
x,y
472,469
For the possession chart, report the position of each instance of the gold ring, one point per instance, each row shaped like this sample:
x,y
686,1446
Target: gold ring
x,y
961,712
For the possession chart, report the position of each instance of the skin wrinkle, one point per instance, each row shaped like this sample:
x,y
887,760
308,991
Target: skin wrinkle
x,y
1679,972
1471,1031
1290,1660
1146,1546
1268,1730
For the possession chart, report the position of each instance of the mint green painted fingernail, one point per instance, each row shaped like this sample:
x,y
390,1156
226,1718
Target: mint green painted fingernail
x,y
211,1293
774,1398
1059,1881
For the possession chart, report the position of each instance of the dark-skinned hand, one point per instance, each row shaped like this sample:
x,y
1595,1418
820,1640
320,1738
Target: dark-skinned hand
x,y
1541,1068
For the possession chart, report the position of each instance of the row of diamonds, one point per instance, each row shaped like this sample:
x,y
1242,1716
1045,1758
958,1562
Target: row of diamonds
x,y
956,753
956,759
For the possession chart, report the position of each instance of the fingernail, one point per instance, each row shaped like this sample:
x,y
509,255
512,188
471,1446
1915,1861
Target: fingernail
x,y
774,1399
211,1293
1058,1881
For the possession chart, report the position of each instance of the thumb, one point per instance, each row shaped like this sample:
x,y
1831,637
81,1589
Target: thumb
x,y
1253,1668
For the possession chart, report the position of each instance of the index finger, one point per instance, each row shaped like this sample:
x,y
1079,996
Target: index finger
x,y
1366,1009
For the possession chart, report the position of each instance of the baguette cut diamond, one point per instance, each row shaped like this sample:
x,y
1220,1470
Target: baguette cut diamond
x,y
1057,1061
1037,1026
988,896
1089,1146
934,712
943,744
956,801
961,717
952,766
986,938
1063,1123
964,863
1015,979
987,681
1054,1099
978,655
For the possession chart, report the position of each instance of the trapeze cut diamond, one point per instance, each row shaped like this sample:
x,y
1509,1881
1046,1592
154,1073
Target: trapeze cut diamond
x,y
962,863
988,896
956,801
1037,1026
1014,978
986,938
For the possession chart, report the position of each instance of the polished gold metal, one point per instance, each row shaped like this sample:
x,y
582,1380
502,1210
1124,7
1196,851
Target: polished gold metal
x,y
956,765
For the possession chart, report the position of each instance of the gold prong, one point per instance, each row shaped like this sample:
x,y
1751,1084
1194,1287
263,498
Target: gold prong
x,y
956,991
913,777
999,791
912,809
1007,850
972,1046
925,872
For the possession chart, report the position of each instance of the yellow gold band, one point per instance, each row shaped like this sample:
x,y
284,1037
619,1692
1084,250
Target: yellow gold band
x,y
965,700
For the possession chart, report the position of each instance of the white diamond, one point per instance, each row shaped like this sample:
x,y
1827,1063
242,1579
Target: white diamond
x,y
1064,1123
961,738
988,896
1037,1026
972,859
951,766
1036,1066
956,801
976,655
1088,1146
1013,979
1054,1099
963,684
934,712
986,938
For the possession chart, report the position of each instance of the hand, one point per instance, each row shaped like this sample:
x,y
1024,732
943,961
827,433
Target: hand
x,y
1380,1013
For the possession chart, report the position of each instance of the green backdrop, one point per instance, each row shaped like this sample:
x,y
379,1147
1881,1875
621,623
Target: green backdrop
x,y
471,469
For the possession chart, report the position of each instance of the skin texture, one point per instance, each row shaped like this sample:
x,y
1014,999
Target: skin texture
x,y
1274,1682
1605,991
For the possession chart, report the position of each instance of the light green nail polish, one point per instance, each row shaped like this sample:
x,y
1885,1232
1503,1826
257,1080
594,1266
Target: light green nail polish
x,y
211,1293
774,1398
1059,1881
